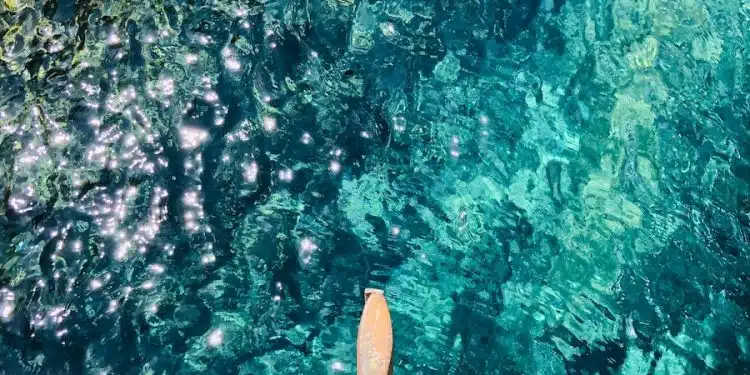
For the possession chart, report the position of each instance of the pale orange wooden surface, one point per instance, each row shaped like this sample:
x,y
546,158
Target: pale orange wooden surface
x,y
375,337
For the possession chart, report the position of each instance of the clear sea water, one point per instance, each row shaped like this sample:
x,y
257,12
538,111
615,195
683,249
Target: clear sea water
x,y
540,186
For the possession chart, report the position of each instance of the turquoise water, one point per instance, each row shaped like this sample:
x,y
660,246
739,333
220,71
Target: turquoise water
x,y
539,186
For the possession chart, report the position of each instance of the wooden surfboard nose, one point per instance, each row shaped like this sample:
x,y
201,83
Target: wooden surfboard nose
x,y
375,336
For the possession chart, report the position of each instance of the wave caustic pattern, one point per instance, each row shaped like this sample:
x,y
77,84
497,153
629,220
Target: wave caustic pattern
x,y
539,186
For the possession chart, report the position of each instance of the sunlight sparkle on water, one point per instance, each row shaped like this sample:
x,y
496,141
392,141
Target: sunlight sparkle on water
x,y
215,338
192,137
269,124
